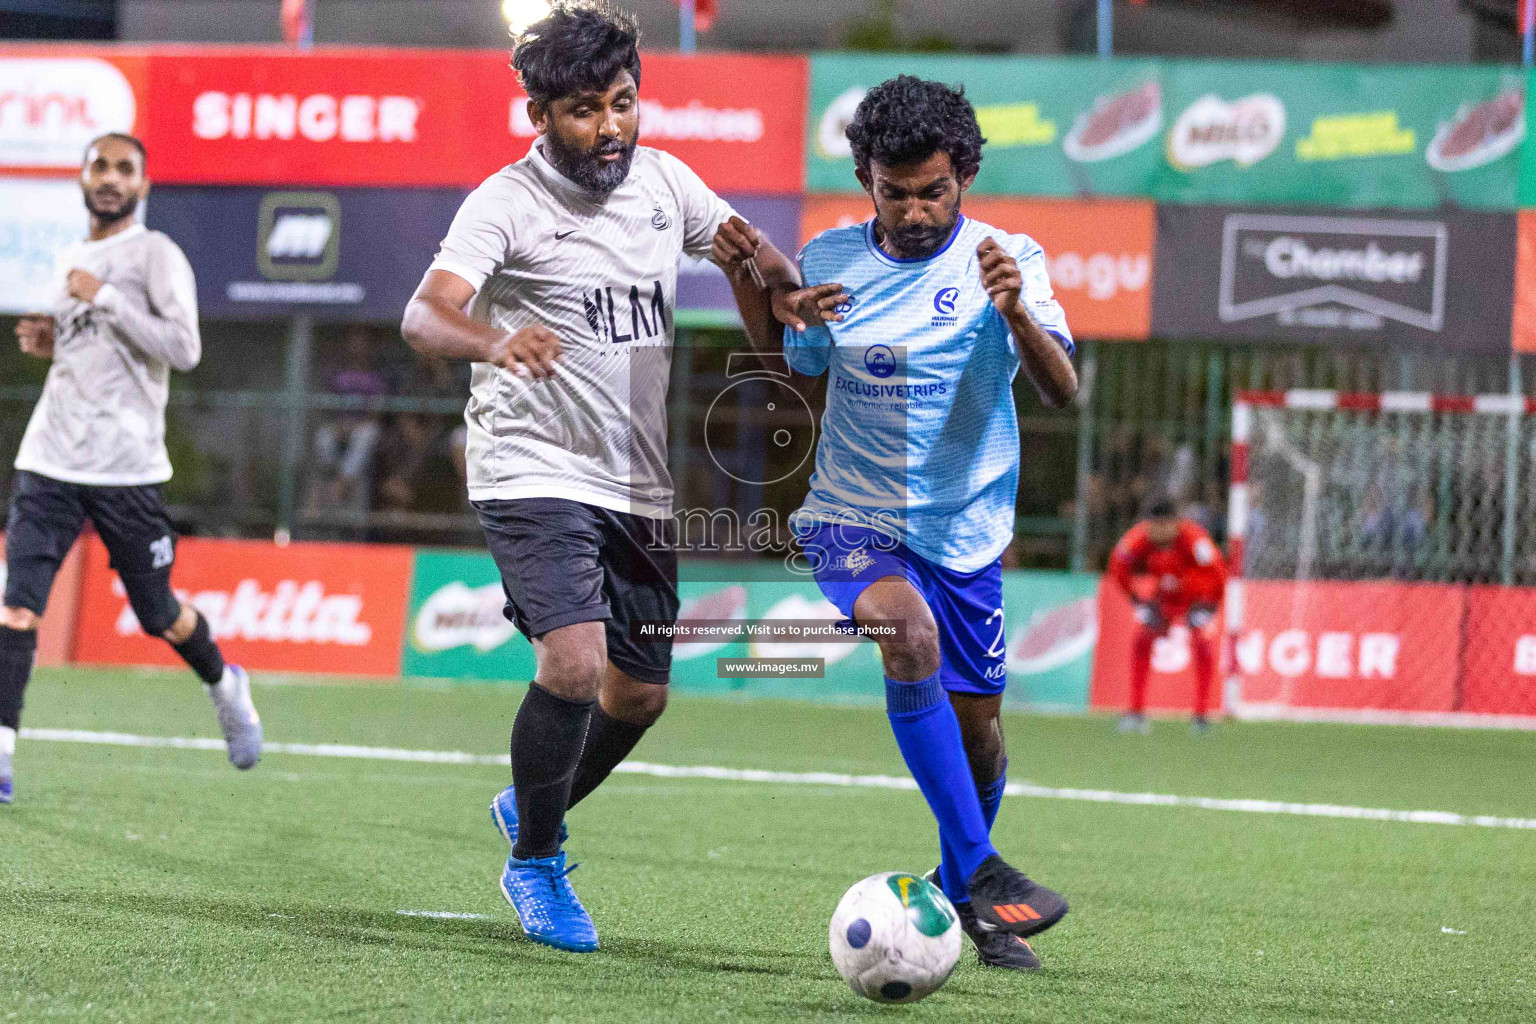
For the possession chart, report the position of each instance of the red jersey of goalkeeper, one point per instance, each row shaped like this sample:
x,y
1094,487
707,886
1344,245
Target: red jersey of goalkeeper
x,y
1187,571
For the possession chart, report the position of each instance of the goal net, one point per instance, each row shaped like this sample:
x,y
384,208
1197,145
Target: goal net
x,y
1383,549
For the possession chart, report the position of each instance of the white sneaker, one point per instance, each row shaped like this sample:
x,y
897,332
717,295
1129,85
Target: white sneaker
x,y
238,719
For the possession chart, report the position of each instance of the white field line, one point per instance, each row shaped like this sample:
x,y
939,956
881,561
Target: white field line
x,y
450,915
758,775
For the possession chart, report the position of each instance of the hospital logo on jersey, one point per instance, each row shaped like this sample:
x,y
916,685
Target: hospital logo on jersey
x,y
640,316
660,221
845,307
880,361
857,561
944,302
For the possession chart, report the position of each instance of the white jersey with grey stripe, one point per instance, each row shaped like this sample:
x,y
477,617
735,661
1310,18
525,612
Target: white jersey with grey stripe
x,y
101,418
601,273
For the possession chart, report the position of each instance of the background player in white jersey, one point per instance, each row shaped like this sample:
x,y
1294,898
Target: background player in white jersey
x,y
921,318
557,280
125,316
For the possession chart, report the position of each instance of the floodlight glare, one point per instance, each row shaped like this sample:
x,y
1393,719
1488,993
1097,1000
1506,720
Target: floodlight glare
x,y
519,14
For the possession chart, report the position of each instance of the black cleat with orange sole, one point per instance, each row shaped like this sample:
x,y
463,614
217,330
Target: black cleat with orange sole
x,y
1004,900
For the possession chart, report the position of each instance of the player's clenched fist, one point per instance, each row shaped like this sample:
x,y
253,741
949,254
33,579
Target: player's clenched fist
x,y
735,242
83,285
34,332
999,275
814,306
530,351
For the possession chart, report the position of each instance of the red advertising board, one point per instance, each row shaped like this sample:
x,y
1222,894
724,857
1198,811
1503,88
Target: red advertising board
x,y
1171,685
1380,646
351,116
1099,252
336,608
1499,667
53,102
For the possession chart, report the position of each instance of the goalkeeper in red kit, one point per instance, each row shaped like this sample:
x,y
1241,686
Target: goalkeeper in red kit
x,y
1170,568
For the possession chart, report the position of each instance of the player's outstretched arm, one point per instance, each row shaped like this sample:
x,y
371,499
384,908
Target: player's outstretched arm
x,y
756,270
435,324
34,333
1042,355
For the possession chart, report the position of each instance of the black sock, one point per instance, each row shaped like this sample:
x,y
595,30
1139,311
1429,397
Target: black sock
x,y
546,744
17,646
202,653
609,741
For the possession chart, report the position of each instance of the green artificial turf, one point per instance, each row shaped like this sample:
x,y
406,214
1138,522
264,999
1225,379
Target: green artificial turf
x,y
162,885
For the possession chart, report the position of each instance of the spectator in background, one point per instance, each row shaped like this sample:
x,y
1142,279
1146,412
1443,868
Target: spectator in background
x,y
345,441
1170,569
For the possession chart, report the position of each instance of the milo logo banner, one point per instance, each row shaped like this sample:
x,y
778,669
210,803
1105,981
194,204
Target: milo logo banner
x,y
1205,132
455,630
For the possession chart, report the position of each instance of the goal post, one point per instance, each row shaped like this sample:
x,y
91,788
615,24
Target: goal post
x,y
1383,558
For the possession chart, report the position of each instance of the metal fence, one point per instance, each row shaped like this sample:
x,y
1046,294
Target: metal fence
x,y
258,434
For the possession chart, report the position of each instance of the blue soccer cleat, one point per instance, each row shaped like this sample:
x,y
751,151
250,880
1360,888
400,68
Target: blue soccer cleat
x,y
546,905
504,816
7,791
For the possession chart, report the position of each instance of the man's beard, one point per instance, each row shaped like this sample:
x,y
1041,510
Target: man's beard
x,y
126,210
584,167
919,243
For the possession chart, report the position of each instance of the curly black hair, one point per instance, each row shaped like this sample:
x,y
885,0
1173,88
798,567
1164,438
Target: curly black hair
x,y
906,120
580,46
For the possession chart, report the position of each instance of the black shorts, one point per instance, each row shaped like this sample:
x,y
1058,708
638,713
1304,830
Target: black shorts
x,y
564,562
47,516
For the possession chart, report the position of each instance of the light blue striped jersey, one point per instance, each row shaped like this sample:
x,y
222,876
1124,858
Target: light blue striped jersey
x,y
920,439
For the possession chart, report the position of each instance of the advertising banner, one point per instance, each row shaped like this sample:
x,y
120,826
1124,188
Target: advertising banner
x,y
1340,135
1171,684
1499,665
1099,252
334,608
702,285
354,254
56,631
38,218
1055,126
1379,645
1352,136
368,117
1438,280
1523,331
456,630
342,253
55,101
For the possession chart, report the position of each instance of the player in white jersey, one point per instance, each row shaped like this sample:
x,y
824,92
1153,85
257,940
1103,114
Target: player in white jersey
x,y
557,281
125,315
921,318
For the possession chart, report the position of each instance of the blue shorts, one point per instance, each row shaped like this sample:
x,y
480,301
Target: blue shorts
x,y
967,606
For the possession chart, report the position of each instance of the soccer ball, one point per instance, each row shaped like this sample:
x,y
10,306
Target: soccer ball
x,y
895,938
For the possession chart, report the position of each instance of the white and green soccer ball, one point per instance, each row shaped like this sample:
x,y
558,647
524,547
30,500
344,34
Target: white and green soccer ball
x,y
895,938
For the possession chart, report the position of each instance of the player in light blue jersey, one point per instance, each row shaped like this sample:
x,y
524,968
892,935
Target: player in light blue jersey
x,y
921,318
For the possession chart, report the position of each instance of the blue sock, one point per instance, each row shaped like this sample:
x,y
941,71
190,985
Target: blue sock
x,y
928,734
950,879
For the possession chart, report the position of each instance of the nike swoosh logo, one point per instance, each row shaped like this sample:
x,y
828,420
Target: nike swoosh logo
x,y
561,236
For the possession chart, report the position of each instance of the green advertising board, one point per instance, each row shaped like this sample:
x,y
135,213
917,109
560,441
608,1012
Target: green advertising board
x,y
455,630
1336,135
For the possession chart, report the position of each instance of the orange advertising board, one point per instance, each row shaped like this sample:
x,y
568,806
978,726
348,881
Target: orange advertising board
x,y
1098,252
56,631
1524,332
336,608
